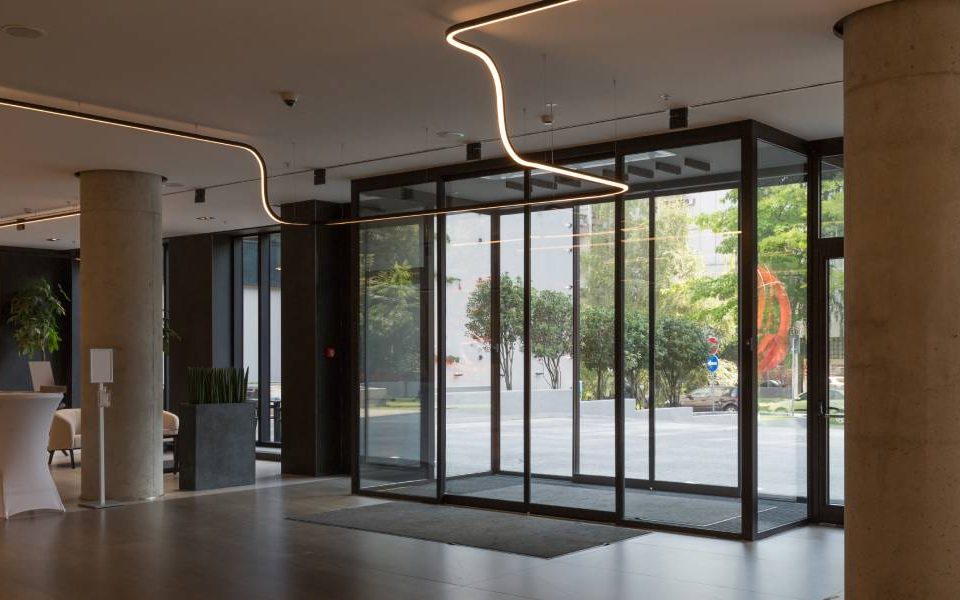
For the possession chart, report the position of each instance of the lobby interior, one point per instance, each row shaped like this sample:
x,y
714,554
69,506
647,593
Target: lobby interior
x,y
480,299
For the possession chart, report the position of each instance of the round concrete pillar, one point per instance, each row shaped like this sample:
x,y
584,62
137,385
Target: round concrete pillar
x,y
121,278
902,145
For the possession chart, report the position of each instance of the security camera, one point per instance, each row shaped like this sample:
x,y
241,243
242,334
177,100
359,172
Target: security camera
x,y
289,98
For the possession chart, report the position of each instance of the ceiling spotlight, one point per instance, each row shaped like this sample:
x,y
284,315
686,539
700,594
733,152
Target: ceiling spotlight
x,y
53,239
453,136
24,32
206,218
199,196
290,98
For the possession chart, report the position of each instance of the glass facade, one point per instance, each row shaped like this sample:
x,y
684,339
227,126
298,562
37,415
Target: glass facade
x,y
258,297
488,357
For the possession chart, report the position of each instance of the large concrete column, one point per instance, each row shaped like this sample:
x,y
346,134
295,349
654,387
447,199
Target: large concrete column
x,y
902,142
121,276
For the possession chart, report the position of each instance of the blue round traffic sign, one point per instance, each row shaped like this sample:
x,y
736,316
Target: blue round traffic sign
x,y
713,363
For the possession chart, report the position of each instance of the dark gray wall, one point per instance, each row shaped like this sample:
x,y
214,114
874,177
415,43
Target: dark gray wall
x,y
316,311
18,266
199,307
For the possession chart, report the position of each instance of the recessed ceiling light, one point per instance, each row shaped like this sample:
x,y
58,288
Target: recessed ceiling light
x,y
53,239
451,135
23,31
206,218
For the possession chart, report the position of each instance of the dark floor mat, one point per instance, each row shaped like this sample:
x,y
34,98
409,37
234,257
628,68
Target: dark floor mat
x,y
491,530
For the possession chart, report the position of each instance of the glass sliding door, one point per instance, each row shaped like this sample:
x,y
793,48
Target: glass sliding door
x,y
781,376
681,324
572,402
483,316
708,398
396,357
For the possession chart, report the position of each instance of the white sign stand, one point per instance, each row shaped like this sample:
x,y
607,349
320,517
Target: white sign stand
x,y
101,373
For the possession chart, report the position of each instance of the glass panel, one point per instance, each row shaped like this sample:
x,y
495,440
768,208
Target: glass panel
x,y
469,298
696,358
545,184
275,332
250,273
595,419
551,338
422,196
484,430
500,187
637,341
835,362
397,404
831,197
781,336
690,250
512,280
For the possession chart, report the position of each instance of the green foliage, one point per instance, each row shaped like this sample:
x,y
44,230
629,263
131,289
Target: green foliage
x,y
596,349
551,331
391,299
831,204
781,247
636,346
35,313
217,385
478,325
169,335
392,321
681,350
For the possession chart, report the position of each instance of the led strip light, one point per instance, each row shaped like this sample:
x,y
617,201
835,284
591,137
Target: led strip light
x,y
617,187
49,110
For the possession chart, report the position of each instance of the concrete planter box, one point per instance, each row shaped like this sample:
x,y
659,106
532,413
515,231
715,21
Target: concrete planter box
x,y
216,445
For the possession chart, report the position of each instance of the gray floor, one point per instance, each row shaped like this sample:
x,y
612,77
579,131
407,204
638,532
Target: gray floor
x,y
240,545
711,513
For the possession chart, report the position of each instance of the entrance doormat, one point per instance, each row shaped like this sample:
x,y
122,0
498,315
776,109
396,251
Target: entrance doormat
x,y
541,537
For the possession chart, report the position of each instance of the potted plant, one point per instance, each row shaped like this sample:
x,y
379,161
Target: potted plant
x,y
35,313
216,444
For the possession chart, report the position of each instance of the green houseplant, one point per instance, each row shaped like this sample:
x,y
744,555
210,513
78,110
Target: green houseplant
x,y
35,313
217,385
216,444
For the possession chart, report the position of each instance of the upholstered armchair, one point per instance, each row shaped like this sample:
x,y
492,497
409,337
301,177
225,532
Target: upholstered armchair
x,y
65,434
171,424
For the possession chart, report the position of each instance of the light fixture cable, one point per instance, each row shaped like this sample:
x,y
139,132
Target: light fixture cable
x,y
92,118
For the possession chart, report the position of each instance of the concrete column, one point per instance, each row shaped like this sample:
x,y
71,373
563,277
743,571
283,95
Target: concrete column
x,y
902,143
121,276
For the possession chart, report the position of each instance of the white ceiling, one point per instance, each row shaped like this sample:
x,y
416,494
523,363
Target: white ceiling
x,y
376,79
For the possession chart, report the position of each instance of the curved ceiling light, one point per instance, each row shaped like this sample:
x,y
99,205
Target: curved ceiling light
x,y
49,110
616,187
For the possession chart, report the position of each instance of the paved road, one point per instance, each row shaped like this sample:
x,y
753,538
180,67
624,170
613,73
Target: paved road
x,y
695,448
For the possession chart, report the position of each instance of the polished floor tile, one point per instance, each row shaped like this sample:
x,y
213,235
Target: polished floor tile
x,y
240,545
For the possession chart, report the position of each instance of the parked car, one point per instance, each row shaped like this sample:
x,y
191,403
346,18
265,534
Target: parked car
x,y
709,398
800,404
